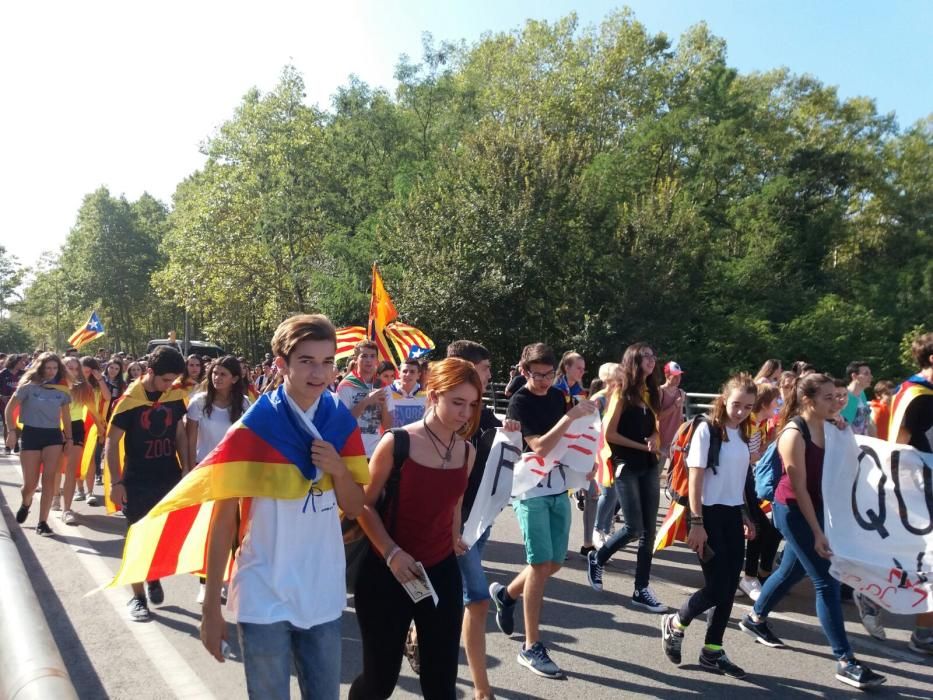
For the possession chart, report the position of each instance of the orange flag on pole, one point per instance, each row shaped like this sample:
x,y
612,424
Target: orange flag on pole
x,y
381,313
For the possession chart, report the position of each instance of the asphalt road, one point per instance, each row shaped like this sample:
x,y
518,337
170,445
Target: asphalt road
x,y
606,648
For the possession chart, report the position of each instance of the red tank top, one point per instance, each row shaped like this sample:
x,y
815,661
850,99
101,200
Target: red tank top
x,y
813,461
424,518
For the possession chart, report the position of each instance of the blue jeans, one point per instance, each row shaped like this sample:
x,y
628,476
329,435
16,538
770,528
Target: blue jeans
x,y
800,559
271,651
640,495
606,508
475,585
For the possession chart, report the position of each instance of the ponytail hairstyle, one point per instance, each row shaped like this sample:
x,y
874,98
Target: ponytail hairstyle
x,y
450,373
806,386
718,414
237,389
630,381
36,372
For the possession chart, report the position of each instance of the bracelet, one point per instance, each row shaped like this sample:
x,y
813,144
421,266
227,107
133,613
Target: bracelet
x,y
391,555
696,521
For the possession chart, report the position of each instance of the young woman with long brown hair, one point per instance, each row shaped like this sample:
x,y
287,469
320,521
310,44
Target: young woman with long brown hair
x,y
632,432
419,524
43,397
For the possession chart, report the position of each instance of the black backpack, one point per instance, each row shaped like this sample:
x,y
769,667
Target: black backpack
x,y
355,542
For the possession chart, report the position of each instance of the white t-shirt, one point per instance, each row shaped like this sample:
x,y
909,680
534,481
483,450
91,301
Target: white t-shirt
x,y
727,486
291,566
211,428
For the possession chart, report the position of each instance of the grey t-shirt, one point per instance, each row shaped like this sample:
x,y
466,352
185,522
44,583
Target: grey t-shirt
x,y
40,407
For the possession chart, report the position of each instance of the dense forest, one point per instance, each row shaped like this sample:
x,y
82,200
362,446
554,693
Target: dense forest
x,y
584,186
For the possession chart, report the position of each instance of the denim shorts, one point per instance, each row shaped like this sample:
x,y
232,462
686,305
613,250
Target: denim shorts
x,y
475,585
545,523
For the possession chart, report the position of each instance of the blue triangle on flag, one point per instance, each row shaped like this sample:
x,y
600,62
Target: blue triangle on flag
x,y
416,353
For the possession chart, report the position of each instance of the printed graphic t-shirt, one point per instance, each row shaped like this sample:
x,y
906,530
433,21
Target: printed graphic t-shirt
x,y
150,440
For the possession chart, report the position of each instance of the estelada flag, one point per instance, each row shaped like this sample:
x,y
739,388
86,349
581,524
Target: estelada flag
x,y
88,332
674,527
93,415
408,341
134,397
381,313
267,453
604,468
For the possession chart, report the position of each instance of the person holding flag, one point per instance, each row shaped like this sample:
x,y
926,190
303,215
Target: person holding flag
x,y
91,330
42,399
366,401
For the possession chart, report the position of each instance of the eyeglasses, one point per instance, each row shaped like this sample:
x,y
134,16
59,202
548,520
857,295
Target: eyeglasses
x,y
546,376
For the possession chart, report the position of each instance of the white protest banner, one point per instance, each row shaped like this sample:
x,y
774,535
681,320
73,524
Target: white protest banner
x,y
878,500
575,451
496,485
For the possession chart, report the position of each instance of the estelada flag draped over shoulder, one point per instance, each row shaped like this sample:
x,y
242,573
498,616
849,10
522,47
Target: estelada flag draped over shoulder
x,y
267,453
135,397
93,414
906,392
88,332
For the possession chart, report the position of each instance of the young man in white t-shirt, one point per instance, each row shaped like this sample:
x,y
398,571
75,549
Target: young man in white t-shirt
x,y
287,590
406,398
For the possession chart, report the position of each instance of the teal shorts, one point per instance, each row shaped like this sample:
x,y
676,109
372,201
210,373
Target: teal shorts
x,y
545,524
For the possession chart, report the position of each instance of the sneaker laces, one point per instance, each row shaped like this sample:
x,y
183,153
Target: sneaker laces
x,y
647,595
539,651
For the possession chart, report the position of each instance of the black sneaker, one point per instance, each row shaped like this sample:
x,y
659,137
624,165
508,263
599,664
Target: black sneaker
x,y
672,639
646,600
505,612
43,529
137,609
858,675
760,631
580,497
585,551
156,594
21,514
718,662
594,571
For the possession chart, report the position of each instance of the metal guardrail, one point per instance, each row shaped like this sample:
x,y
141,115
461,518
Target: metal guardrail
x,y
31,667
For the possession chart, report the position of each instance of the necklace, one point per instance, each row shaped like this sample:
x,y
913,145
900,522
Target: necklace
x,y
438,444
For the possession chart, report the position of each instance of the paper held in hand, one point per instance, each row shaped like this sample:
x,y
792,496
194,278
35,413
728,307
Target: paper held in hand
x,y
420,588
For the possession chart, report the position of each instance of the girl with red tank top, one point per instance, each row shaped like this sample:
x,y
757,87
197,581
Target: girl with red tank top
x,y
798,514
421,526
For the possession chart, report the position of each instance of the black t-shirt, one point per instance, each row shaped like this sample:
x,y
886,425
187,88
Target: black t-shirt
x,y
537,414
515,383
918,420
487,422
636,423
150,441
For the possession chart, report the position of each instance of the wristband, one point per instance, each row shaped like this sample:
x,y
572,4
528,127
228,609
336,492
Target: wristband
x,y
392,554
696,521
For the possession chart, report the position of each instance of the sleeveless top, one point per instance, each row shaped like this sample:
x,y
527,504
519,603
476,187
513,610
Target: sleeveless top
x,y
427,498
813,461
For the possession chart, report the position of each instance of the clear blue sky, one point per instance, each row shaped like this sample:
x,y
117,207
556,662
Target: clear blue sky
x,y
121,93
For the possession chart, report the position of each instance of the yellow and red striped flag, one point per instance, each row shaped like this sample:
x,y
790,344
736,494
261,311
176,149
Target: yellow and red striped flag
x,y
267,453
408,341
347,338
88,332
674,527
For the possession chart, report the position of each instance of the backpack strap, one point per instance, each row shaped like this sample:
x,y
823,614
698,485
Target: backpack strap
x,y
802,426
400,449
715,444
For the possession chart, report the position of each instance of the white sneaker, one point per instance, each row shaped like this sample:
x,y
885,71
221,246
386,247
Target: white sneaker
x,y
57,502
750,586
80,496
92,500
201,591
69,518
599,538
871,617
